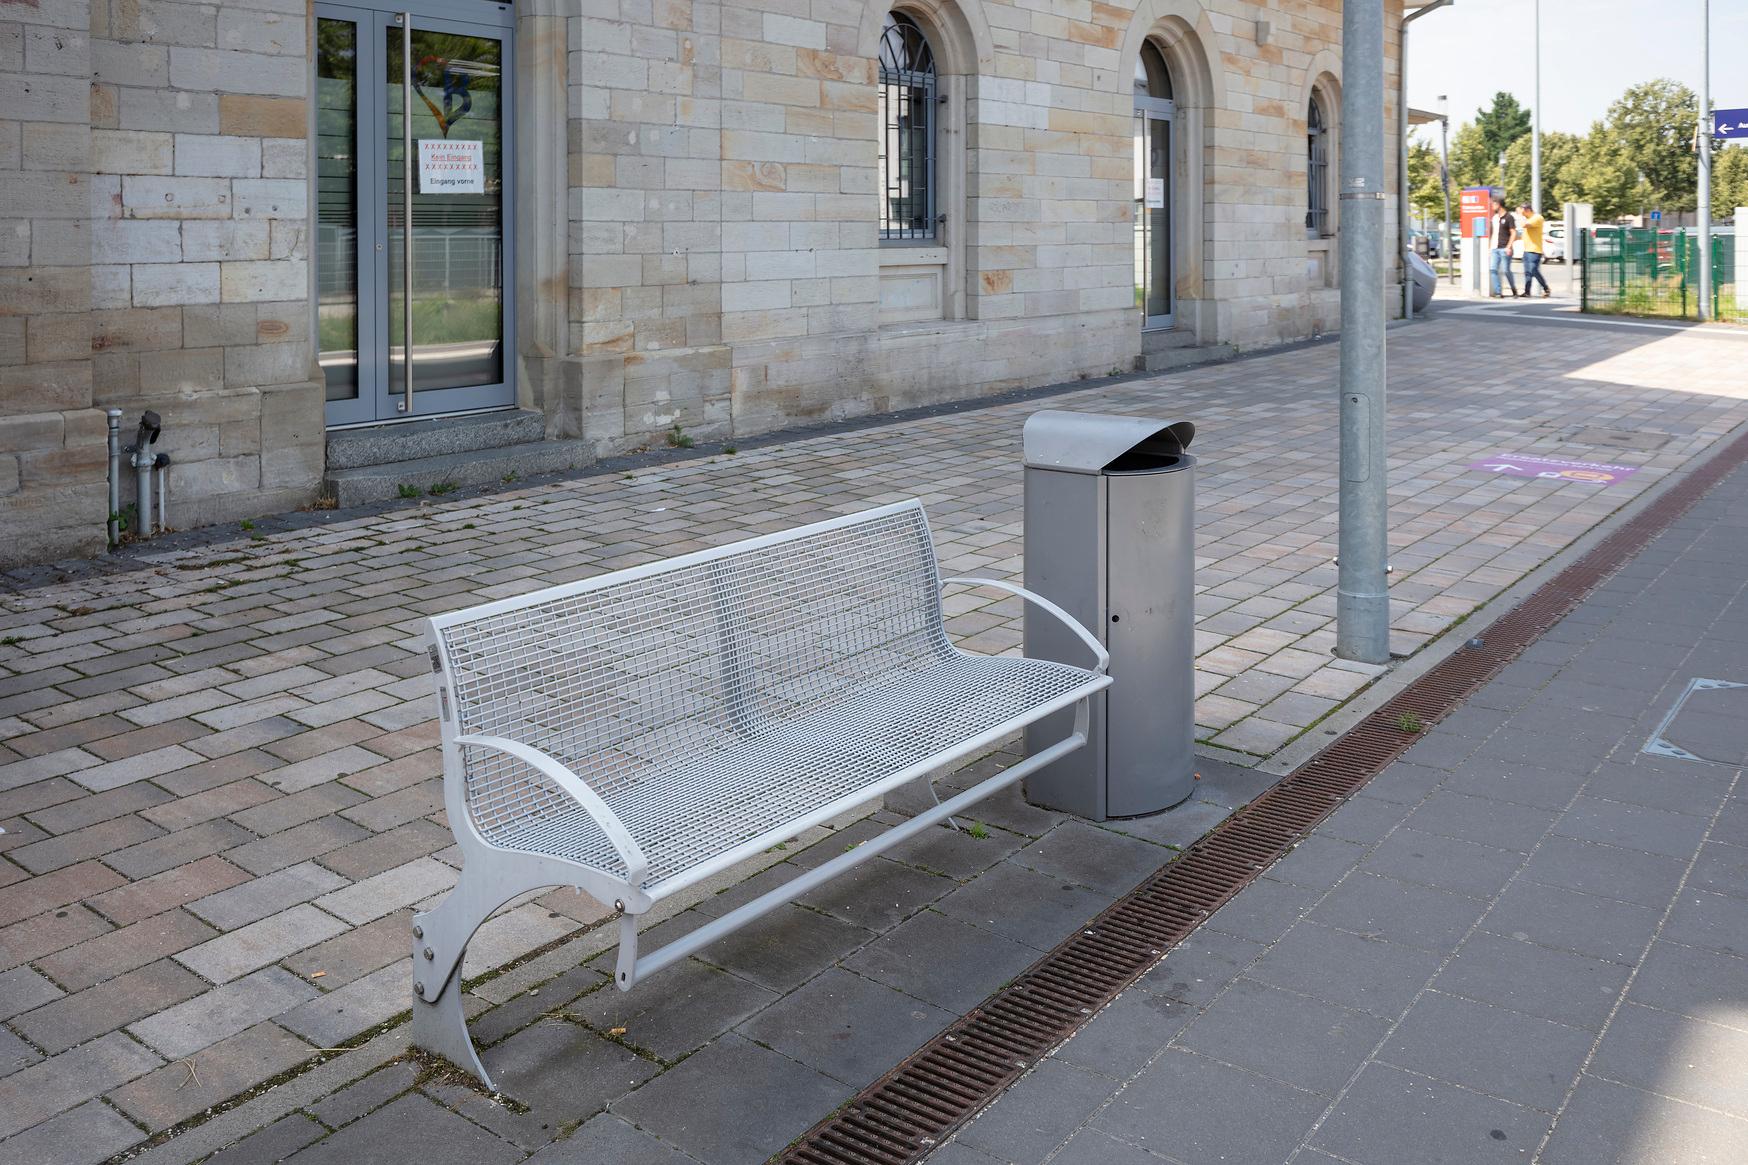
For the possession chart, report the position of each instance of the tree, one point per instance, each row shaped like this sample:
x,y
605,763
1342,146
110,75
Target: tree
x,y
1729,180
1471,164
1600,173
1426,192
1558,150
1655,124
1501,125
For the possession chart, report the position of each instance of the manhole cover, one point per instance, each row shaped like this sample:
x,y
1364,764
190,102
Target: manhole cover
x,y
1616,438
1708,723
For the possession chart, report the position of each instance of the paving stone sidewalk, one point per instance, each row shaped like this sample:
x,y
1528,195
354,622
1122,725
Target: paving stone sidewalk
x,y
221,794
1526,941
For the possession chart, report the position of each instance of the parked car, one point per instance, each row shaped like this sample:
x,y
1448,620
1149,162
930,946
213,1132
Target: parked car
x,y
1424,243
1554,242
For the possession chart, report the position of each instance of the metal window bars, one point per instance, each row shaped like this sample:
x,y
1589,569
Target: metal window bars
x,y
1316,171
908,100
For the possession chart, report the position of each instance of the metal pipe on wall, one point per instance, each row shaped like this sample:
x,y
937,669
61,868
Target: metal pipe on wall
x,y
114,416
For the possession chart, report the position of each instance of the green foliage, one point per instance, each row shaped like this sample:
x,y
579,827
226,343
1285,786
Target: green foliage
x,y
408,491
246,525
1558,150
1729,179
1471,164
978,830
1501,125
678,438
1409,722
1425,191
1655,124
1600,172
444,487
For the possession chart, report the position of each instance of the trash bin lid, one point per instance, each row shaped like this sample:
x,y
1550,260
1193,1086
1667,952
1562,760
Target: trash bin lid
x,y
1089,442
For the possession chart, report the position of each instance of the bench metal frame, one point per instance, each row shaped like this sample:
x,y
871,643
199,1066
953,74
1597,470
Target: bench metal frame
x,y
492,875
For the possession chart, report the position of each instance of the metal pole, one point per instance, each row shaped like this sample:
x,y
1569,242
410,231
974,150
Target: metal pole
x,y
1362,630
406,405
1402,169
114,416
1536,123
1705,163
1444,181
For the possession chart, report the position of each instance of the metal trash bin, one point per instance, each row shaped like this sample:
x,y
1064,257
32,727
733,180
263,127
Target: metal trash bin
x,y
1110,537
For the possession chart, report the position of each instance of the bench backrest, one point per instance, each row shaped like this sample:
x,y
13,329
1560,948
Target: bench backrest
x,y
654,667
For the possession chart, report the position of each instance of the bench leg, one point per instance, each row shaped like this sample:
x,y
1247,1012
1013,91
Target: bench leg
x,y
440,1026
440,938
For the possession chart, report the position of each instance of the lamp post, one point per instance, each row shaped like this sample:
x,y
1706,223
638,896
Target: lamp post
x,y
1536,122
1362,602
1705,161
1444,176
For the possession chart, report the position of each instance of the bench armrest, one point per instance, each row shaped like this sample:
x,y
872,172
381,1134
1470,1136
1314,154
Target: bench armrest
x,y
636,864
1098,649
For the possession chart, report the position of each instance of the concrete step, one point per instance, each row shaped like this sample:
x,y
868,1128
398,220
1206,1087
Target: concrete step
x,y
1160,339
362,485
1169,359
415,440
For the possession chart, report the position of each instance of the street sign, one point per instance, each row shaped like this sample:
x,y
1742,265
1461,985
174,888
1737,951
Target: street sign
x,y
1656,216
1730,123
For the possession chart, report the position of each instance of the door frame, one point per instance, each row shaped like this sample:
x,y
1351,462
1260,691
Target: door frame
x,y
374,404
1148,109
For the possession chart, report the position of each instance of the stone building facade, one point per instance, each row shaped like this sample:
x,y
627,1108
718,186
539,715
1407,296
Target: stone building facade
x,y
631,219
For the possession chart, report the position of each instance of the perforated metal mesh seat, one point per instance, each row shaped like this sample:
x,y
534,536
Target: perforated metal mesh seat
x,y
709,703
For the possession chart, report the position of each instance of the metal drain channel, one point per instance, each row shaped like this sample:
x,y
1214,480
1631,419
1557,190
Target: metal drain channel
x,y
900,1118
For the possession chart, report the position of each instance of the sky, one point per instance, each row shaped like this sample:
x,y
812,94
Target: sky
x,y
1591,51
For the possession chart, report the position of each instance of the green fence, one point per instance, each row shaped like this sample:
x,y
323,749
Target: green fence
x,y
1628,271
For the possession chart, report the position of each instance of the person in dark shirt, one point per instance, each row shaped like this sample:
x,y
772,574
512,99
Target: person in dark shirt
x,y
1504,234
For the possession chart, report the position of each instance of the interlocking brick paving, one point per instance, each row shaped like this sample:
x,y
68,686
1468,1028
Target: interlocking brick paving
x,y
218,769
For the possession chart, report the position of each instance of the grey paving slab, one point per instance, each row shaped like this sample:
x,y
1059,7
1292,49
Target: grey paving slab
x,y
412,1128
951,964
1399,912
1024,905
1722,869
1089,856
610,1138
682,1009
1197,1109
1715,922
1367,974
732,1102
1025,1125
1700,984
1306,1042
1481,820
1611,1124
1130,1031
1675,1056
1540,981
564,1072
271,1145
1391,1116
86,1135
846,1026
1201,966
1489,1049
1587,924
1607,871
1266,910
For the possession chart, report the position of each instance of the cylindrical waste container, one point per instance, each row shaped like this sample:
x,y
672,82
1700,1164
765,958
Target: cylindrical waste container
x,y
1110,537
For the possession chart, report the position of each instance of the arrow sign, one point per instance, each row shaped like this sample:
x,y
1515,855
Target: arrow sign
x,y
1730,123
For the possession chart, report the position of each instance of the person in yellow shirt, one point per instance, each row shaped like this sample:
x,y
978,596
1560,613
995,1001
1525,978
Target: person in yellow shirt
x,y
1531,225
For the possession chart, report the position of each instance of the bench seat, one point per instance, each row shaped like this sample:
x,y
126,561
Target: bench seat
x,y
637,733
748,795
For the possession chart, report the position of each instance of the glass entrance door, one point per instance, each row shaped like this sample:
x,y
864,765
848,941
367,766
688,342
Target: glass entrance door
x,y
1153,258
446,171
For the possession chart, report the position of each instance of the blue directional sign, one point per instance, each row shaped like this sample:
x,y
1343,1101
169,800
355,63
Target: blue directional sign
x,y
1730,123
1656,216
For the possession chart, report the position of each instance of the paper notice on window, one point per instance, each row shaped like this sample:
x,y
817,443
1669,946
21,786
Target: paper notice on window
x,y
1156,194
451,167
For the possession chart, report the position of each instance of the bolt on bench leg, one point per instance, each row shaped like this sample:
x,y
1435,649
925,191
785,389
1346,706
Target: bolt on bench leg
x,y
440,1026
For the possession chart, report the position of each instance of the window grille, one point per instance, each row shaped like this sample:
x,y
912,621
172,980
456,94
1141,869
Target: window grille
x,y
1316,171
907,131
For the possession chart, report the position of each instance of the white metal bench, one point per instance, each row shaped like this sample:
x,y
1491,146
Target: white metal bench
x,y
636,733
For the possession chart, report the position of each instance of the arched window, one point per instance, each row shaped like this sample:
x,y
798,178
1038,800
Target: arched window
x,y
1316,170
908,188
1152,78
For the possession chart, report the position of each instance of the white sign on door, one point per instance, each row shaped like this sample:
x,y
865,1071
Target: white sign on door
x,y
1156,194
451,167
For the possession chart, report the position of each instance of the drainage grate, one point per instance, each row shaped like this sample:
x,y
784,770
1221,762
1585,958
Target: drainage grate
x,y
899,1118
